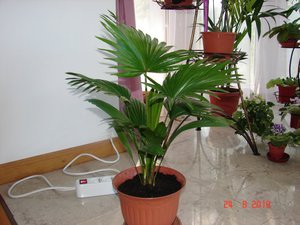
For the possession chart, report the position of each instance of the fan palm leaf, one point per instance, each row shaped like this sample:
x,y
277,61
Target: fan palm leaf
x,y
95,85
135,53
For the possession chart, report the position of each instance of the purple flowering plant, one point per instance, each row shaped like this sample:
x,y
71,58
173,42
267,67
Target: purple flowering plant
x,y
278,129
278,135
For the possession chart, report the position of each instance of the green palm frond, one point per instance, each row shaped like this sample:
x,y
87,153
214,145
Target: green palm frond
x,y
154,106
135,53
191,107
117,117
193,79
95,85
135,110
205,121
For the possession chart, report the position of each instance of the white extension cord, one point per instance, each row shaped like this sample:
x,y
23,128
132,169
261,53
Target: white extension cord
x,y
83,189
51,187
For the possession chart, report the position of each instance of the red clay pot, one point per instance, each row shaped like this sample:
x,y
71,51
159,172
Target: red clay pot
x,y
226,101
169,3
291,43
295,121
218,42
285,93
276,152
148,211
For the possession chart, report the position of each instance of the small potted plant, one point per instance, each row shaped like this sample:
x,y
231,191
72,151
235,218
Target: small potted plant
x,y
288,33
259,112
145,196
286,88
279,138
294,110
254,115
234,23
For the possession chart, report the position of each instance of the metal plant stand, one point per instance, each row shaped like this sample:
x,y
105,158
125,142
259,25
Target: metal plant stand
x,y
233,58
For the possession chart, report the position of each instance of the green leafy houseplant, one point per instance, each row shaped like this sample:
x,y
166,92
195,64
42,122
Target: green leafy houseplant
x,y
286,31
287,81
294,111
291,108
279,136
260,115
138,125
286,88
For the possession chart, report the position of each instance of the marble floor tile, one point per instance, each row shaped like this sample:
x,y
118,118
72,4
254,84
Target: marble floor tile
x,y
226,185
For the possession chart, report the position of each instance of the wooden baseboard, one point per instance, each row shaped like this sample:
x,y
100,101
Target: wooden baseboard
x,y
40,164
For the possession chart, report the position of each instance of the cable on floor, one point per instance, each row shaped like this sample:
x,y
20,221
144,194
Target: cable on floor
x,y
59,188
96,158
51,187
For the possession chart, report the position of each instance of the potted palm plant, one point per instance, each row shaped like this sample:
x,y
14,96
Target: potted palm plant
x,y
234,23
145,135
286,88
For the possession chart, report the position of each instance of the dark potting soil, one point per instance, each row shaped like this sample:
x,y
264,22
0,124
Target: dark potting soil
x,y
165,185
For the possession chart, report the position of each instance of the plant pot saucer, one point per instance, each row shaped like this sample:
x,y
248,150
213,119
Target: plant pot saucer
x,y
176,222
285,158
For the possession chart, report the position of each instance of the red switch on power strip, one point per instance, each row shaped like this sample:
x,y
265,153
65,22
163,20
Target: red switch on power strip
x,y
94,186
83,181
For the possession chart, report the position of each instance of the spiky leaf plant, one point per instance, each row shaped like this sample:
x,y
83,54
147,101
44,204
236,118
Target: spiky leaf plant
x,y
139,125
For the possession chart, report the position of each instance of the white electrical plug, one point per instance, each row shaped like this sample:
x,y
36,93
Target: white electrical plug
x,y
94,186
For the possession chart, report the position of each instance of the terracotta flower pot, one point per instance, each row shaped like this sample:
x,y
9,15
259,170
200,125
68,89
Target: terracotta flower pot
x,y
276,152
226,101
148,211
291,43
218,42
169,3
295,121
285,93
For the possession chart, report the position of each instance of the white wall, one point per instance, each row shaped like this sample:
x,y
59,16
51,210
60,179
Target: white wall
x,y
40,40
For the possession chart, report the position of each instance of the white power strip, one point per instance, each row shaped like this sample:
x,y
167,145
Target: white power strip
x,y
94,186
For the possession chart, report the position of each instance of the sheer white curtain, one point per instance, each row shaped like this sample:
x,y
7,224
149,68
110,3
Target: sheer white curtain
x,y
269,60
179,24
171,26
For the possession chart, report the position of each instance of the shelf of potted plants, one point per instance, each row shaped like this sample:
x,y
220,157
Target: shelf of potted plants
x,y
287,35
235,21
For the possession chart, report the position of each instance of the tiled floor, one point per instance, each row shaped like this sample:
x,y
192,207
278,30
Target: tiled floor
x,y
220,170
